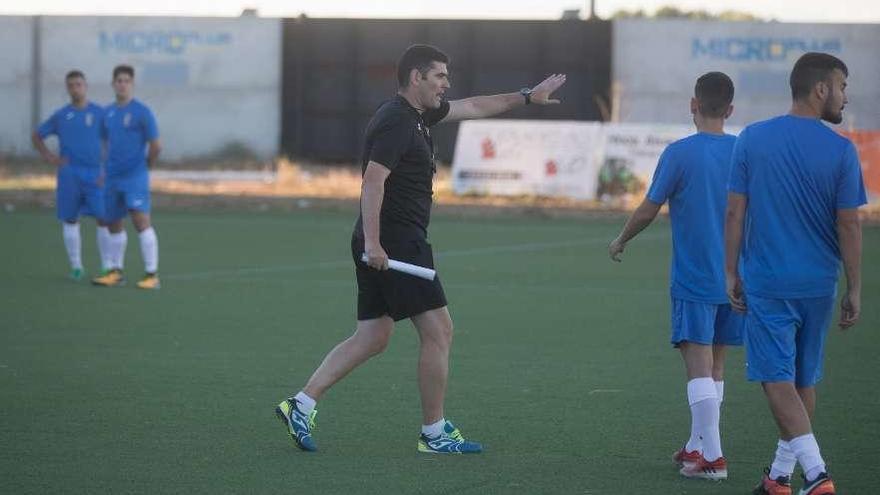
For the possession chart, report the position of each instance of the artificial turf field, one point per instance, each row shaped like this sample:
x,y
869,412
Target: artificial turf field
x,y
561,366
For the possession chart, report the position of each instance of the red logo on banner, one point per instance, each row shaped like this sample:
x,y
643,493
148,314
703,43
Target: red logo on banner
x,y
551,168
488,149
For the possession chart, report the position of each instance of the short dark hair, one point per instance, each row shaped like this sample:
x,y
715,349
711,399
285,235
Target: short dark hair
x,y
811,69
74,74
419,57
714,93
123,69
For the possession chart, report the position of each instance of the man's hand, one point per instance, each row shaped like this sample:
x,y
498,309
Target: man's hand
x,y
541,93
58,161
377,258
850,308
615,249
735,293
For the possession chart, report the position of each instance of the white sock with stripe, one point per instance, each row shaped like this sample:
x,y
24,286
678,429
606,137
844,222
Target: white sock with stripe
x,y
150,249
118,242
104,247
72,244
706,412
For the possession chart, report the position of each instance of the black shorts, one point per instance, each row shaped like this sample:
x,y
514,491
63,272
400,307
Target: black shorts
x,y
392,293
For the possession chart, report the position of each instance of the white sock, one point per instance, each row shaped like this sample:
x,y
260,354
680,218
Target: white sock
x,y
104,247
783,463
719,390
73,244
806,449
118,243
150,250
706,412
434,429
306,403
694,443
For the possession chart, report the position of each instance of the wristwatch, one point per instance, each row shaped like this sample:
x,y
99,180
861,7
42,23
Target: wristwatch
x,y
527,94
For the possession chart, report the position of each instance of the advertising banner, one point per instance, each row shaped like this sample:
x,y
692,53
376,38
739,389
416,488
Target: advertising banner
x,y
213,84
657,61
514,157
868,144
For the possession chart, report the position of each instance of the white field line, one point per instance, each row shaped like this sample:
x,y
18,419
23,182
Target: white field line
x,y
515,248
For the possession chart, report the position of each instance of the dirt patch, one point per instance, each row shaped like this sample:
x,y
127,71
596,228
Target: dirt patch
x,y
289,186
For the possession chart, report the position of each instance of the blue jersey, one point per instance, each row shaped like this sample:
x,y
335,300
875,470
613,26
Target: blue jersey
x,y
79,134
692,175
796,173
127,130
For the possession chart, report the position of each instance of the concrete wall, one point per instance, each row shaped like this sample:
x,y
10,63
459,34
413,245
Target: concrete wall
x,y
212,83
656,62
16,82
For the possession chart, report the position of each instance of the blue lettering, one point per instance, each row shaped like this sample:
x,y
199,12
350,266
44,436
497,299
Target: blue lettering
x,y
759,49
164,42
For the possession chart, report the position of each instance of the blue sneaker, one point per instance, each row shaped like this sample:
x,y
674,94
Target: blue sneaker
x,y
449,442
299,424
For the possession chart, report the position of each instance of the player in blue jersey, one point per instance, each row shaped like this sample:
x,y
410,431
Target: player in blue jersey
x,y
129,129
80,176
692,176
792,216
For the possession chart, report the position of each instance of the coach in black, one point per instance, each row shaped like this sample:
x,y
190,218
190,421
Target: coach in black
x,y
398,171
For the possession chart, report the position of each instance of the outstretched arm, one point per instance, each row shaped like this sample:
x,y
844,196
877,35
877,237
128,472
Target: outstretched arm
x,y
641,218
479,107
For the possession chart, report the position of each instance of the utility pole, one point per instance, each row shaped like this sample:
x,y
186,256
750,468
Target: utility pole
x,y
592,11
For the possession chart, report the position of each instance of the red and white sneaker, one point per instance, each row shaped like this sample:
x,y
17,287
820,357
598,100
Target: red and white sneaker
x,y
822,485
715,470
767,486
683,457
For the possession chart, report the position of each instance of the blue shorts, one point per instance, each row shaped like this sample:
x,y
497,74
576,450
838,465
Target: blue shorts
x,y
77,193
785,338
130,192
705,323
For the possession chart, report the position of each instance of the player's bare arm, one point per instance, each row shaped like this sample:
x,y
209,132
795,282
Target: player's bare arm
x,y
637,222
372,192
45,152
154,147
733,231
478,107
849,236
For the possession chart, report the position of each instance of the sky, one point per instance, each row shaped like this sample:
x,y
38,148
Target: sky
x,y
840,11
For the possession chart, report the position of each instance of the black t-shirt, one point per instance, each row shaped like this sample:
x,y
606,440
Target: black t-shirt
x,y
398,137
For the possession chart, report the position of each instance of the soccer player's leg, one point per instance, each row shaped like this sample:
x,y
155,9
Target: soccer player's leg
x,y
114,213
95,206
424,303
374,329
816,315
137,201
68,201
439,436
297,413
773,327
693,334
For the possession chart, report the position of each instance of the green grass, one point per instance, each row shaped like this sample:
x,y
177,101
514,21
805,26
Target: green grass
x,y
561,366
